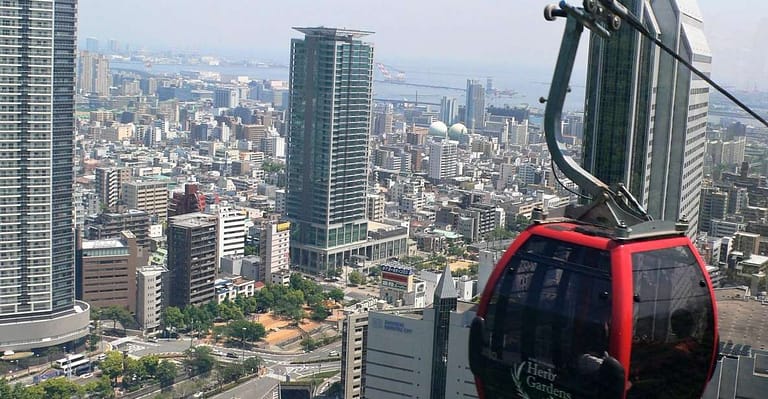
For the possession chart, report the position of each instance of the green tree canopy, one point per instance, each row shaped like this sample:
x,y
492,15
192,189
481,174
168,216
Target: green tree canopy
x,y
247,330
200,359
320,312
355,277
172,317
336,294
112,365
166,373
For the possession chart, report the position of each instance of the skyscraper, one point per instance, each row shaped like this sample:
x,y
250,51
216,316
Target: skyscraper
x,y
330,106
94,76
37,256
474,111
645,114
449,109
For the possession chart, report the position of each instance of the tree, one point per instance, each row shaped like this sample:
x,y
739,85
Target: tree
x,y
456,250
116,314
172,317
355,277
133,372
270,166
252,364
112,365
309,344
245,330
166,373
101,388
336,294
149,364
200,359
59,388
251,250
230,372
229,311
320,312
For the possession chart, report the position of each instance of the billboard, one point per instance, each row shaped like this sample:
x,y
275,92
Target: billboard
x,y
283,226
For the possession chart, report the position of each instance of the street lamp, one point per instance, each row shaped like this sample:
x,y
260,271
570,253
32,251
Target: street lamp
x,y
242,343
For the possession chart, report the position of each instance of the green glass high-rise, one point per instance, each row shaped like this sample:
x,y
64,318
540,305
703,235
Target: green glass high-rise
x,y
646,114
331,74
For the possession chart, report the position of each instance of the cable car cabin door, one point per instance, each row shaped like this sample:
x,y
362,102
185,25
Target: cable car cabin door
x,y
674,334
550,316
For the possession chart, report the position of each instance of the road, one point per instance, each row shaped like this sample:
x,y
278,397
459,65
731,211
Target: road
x,y
257,388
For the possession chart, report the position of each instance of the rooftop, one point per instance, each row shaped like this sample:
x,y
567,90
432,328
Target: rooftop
x,y
103,244
196,219
334,33
741,321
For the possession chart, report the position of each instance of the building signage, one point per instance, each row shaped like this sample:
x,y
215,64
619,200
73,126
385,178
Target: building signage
x,y
393,284
394,277
389,325
401,270
537,380
283,226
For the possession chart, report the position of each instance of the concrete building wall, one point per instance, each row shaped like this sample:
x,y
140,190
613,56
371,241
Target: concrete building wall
x,y
149,301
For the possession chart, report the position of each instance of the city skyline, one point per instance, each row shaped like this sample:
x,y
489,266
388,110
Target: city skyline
x,y
474,51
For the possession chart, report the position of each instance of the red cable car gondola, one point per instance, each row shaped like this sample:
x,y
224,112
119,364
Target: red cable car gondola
x,y
605,303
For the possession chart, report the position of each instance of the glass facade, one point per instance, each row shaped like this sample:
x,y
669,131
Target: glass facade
x,y
619,106
330,107
645,114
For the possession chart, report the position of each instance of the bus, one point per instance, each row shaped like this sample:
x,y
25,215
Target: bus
x,y
72,362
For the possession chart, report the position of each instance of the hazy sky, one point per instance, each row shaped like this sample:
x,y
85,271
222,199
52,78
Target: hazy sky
x,y
473,33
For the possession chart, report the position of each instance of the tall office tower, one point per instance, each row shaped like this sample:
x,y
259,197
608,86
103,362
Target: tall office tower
x,y
102,77
443,160
37,257
230,232
149,196
85,71
108,184
330,107
645,114
94,76
191,259
449,110
474,110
